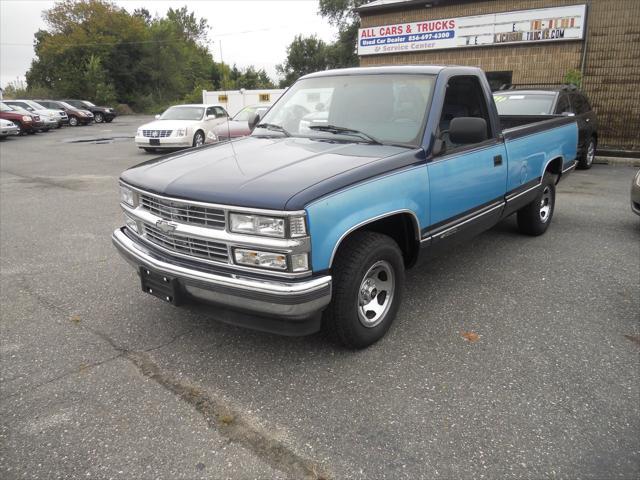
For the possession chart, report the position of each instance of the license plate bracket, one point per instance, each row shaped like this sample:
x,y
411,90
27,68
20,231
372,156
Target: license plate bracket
x,y
154,141
161,286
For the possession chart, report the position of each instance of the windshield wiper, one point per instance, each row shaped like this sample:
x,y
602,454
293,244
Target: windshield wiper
x,y
345,131
275,127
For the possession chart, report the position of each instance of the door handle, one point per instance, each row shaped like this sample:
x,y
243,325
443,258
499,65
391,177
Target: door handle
x,y
497,160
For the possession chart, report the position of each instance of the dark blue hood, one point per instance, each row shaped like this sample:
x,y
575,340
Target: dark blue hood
x,y
273,173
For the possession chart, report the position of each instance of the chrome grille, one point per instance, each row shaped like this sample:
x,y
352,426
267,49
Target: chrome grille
x,y
183,212
187,245
156,133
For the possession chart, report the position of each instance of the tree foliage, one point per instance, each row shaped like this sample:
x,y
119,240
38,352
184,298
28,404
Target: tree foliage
x,y
309,54
97,50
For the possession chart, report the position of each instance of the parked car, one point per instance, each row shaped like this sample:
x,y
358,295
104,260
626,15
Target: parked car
x,y
100,114
290,227
635,194
47,120
181,126
26,122
238,125
7,128
565,100
55,118
76,116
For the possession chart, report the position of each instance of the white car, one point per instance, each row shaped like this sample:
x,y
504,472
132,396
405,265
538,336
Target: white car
x,y
51,118
7,127
182,126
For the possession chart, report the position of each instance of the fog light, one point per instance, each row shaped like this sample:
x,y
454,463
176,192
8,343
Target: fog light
x,y
130,223
299,262
275,261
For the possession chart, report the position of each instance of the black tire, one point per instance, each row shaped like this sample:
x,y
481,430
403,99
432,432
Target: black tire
x,y
150,150
359,256
198,139
98,117
585,162
534,218
73,121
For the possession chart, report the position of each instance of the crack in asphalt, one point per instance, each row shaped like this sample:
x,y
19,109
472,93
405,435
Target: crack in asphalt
x,y
218,414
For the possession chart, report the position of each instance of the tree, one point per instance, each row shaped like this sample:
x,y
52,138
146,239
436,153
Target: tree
x,y
304,55
342,14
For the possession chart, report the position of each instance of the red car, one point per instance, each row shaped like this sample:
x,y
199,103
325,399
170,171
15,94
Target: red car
x,y
27,122
238,126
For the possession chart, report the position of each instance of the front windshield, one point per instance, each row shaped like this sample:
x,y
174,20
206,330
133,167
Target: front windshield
x,y
88,103
66,105
389,108
5,108
34,105
183,113
244,114
524,104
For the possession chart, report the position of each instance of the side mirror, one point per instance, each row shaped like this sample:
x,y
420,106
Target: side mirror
x,y
467,130
568,114
253,121
157,117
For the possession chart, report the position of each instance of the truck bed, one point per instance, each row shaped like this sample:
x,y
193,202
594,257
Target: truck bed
x,y
514,126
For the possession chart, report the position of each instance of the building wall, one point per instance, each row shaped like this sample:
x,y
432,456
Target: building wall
x,y
612,70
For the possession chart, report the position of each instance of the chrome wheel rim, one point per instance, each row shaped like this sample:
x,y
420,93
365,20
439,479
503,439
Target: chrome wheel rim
x,y
98,118
545,204
199,140
591,153
375,294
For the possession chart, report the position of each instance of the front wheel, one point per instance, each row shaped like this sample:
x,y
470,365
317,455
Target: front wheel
x,y
586,159
98,117
73,121
198,139
368,279
534,219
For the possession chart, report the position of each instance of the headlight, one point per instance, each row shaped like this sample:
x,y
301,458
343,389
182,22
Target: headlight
x,y
26,118
254,258
126,196
181,132
638,178
139,133
257,225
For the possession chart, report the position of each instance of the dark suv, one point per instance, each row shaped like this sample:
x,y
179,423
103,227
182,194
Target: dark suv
x,y
564,100
100,114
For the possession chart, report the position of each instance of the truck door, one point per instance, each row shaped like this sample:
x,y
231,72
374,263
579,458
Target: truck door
x,y
467,183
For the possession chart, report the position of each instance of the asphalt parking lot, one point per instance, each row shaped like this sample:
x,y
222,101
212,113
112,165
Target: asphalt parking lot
x,y
99,380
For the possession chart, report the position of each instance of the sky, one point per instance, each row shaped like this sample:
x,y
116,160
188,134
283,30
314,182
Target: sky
x,y
250,32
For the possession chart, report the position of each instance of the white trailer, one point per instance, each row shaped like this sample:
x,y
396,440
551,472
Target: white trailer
x,y
236,100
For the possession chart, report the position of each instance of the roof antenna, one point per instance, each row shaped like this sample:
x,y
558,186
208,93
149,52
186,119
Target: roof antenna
x,y
226,94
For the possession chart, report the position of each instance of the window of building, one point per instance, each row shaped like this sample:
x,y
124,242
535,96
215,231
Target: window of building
x,y
499,79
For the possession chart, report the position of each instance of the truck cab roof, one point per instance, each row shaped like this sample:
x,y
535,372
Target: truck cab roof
x,y
399,69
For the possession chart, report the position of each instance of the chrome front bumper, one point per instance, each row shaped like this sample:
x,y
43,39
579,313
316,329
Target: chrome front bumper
x,y
290,300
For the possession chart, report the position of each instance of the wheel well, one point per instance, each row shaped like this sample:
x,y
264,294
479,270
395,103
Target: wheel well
x,y
555,167
402,228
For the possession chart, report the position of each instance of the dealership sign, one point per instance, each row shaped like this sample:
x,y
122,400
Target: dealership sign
x,y
523,26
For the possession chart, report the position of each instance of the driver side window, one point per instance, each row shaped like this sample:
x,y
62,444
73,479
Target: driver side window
x,y
464,98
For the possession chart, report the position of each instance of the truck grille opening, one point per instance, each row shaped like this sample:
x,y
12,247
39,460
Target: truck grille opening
x,y
156,133
187,245
183,212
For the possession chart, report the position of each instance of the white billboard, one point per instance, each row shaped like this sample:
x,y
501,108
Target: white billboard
x,y
523,26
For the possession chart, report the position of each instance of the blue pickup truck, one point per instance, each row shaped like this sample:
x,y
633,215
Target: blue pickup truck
x,y
351,178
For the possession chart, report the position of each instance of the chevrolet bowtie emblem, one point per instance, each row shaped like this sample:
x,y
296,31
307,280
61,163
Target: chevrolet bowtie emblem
x,y
166,227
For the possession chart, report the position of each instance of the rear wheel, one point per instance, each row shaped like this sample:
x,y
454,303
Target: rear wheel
x,y
198,139
588,155
98,117
368,279
534,219
73,121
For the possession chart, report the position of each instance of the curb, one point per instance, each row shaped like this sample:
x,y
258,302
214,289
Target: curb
x,y
617,161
